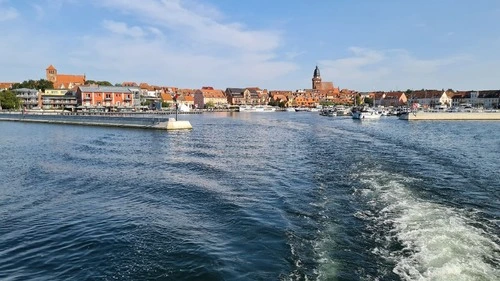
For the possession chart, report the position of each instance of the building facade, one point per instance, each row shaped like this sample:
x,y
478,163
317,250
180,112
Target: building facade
x,y
106,98
211,96
28,97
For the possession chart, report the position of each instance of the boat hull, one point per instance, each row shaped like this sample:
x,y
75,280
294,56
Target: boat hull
x,y
365,115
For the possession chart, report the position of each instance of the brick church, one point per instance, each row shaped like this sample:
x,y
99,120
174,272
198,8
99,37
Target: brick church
x,y
63,81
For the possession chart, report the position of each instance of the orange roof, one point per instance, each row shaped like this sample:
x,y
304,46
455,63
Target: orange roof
x,y
166,97
5,85
51,67
213,93
146,86
189,98
65,81
326,85
129,84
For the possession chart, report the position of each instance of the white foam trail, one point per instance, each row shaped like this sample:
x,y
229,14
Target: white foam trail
x,y
439,242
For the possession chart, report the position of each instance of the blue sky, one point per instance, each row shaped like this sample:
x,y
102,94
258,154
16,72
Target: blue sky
x,y
362,45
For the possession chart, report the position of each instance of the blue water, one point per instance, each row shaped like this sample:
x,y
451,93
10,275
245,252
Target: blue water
x,y
251,196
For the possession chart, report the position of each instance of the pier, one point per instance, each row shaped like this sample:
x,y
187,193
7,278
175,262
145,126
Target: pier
x,y
143,121
422,115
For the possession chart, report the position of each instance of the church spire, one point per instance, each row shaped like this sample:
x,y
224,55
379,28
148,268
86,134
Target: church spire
x,y
316,80
316,73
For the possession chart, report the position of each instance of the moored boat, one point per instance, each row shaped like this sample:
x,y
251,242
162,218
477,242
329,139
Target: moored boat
x,y
365,113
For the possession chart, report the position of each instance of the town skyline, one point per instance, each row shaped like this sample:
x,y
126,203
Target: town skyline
x,y
362,46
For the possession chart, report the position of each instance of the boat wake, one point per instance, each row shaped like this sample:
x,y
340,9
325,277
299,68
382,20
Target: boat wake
x,y
426,240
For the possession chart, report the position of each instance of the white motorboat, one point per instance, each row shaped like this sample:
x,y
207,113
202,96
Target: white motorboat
x,y
257,108
365,113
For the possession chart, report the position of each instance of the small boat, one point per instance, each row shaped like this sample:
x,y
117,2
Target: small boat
x,y
290,109
330,112
365,113
257,108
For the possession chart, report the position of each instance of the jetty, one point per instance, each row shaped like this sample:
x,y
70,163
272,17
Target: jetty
x,y
144,121
423,115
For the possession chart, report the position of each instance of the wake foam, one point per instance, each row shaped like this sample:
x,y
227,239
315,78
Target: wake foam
x,y
426,240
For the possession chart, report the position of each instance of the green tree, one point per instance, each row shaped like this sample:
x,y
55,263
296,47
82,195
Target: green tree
x,y
41,84
9,100
104,83
326,103
369,101
209,104
359,101
100,83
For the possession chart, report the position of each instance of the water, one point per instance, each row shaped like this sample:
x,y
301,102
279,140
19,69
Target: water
x,y
251,196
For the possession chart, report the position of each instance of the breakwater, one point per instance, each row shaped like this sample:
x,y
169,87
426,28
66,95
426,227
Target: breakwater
x,y
145,121
420,115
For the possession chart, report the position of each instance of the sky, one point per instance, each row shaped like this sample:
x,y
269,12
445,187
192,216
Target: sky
x,y
362,45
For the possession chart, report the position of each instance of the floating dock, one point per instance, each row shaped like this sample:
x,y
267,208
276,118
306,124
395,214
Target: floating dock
x,y
421,115
143,122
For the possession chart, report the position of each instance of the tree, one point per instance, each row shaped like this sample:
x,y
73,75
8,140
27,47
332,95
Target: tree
x,y
369,101
209,104
359,101
9,100
100,83
41,84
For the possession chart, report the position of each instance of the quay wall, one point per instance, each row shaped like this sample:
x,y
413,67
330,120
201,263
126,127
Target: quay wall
x,y
90,120
451,116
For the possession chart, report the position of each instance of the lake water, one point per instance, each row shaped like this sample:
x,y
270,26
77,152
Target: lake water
x,y
251,196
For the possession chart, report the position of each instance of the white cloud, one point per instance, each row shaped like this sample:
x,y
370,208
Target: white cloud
x,y
6,12
200,27
123,29
191,48
392,69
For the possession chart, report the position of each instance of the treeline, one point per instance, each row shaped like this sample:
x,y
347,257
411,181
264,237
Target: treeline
x,y
41,84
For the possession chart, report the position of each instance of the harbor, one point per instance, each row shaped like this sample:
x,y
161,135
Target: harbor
x,y
86,203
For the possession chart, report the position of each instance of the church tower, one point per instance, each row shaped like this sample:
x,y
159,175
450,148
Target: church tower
x,y
316,80
51,73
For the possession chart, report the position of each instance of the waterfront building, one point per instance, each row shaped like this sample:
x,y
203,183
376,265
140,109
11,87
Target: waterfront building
x,y
28,97
187,100
394,98
489,98
431,98
57,102
282,96
63,81
241,96
306,99
105,98
209,95
485,98
149,91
